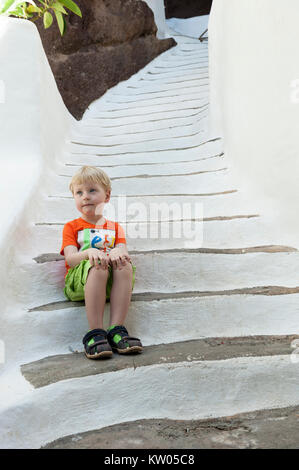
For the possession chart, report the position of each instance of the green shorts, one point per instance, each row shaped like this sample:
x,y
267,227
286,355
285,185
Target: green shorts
x,y
76,278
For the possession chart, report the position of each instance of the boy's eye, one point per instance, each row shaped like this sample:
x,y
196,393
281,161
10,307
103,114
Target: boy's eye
x,y
91,190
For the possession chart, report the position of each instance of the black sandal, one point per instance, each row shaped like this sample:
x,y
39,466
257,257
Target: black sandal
x,y
127,344
100,347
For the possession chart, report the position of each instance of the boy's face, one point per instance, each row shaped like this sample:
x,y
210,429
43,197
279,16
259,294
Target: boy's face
x,y
90,198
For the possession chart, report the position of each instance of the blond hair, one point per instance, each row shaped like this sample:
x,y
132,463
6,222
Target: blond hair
x,y
91,174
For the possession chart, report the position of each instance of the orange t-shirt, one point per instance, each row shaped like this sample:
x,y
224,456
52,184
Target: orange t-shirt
x,y
84,235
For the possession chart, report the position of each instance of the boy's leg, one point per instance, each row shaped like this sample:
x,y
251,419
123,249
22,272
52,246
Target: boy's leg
x,y
120,298
95,296
121,293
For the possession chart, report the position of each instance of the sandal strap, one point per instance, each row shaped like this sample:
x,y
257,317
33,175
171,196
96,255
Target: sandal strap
x,y
118,330
97,332
93,345
130,337
125,337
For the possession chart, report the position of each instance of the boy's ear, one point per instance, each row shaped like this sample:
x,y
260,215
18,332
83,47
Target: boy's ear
x,y
108,194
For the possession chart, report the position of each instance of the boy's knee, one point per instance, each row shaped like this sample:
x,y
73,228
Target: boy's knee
x,y
124,268
101,272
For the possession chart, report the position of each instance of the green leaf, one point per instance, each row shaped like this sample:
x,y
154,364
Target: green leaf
x,y
65,25
71,6
33,9
56,6
5,4
10,7
60,22
18,11
48,19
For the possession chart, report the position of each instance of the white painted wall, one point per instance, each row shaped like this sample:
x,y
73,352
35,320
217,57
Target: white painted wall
x,y
33,126
254,98
158,8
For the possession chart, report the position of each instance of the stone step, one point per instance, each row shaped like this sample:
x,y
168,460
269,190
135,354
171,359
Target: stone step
x,y
263,429
156,69
156,169
119,112
68,366
189,315
174,66
183,52
89,139
204,150
179,53
150,80
183,40
177,272
139,102
59,210
171,63
188,45
147,86
218,181
139,88
145,94
147,128
159,116
176,77
171,59
232,233
146,75
215,388
48,257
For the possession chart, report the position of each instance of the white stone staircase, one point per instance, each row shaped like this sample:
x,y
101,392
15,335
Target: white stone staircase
x,y
216,315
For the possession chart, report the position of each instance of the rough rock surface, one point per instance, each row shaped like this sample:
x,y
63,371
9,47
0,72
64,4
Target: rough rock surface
x,y
263,429
112,41
187,8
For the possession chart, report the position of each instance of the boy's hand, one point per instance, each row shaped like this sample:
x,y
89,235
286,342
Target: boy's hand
x,y
94,255
118,257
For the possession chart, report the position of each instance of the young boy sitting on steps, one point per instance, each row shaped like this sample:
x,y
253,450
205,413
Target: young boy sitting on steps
x,y
98,266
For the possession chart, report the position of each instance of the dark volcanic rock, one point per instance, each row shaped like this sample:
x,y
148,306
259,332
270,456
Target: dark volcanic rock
x,y
187,8
113,40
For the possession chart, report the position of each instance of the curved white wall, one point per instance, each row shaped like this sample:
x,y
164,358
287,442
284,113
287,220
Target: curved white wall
x,y
255,103
33,126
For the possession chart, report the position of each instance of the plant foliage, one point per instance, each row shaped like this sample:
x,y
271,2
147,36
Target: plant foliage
x,y
46,9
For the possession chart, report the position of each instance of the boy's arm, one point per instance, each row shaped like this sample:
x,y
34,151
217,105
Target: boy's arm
x,y
74,257
118,255
122,246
